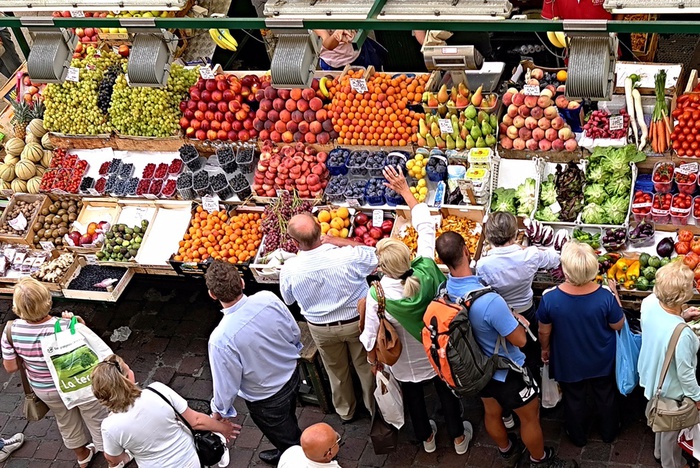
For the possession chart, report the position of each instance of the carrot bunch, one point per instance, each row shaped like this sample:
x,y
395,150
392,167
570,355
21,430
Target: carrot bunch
x,y
660,132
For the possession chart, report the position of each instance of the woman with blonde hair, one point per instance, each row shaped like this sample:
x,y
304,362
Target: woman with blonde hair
x,y
661,313
31,303
409,287
143,423
577,324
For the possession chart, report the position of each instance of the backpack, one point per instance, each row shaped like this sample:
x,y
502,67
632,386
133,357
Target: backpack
x,y
453,351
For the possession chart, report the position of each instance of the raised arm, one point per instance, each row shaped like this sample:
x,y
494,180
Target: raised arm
x,y
329,39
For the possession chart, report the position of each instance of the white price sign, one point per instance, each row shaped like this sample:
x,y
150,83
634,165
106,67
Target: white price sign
x,y
687,168
47,245
445,125
359,85
555,207
531,90
73,74
207,73
616,123
639,206
19,223
377,218
77,14
210,204
353,202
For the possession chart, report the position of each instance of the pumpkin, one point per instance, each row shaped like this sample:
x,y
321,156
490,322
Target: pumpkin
x,y
7,172
11,159
46,158
32,152
46,142
14,146
18,185
25,170
36,128
33,185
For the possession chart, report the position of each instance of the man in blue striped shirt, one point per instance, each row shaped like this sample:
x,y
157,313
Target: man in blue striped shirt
x,y
327,278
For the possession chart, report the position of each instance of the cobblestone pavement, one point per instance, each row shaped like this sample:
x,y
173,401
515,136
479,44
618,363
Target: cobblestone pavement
x,y
171,320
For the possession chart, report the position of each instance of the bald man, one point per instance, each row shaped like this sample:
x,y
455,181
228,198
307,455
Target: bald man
x,y
319,446
326,279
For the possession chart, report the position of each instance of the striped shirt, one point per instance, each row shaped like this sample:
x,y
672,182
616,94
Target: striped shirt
x,y
27,343
328,281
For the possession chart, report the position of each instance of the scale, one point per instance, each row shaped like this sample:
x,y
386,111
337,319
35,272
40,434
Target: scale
x,y
455,59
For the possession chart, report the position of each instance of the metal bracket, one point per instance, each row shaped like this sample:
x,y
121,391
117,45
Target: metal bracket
x,y
137,22
585,25
275,23
37,21
359,39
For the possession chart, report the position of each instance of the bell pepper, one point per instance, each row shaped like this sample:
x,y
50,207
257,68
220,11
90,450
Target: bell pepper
x,y
633,271
624,263
620,276
629,284
612,272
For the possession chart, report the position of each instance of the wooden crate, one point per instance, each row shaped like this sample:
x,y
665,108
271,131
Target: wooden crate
x,y
106,296
95,210
127,205
28,237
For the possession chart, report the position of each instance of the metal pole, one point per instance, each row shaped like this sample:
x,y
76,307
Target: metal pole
x,y
21,41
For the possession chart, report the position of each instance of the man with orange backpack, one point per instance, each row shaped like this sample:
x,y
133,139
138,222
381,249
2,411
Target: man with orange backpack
x,y
496,330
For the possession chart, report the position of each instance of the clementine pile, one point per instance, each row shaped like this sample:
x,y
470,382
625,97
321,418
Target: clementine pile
x,y
380,116
234,238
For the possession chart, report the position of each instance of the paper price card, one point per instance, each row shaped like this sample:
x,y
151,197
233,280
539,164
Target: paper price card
x,y
377,217
531,90
46,245
616,123
73,74
207,73
445,125
358,85
210,204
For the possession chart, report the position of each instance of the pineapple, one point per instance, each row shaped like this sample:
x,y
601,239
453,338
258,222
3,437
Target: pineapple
x,y
23,115
37,110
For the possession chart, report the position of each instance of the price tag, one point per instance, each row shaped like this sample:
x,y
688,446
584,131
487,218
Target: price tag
x,y
207,73
639,206
445,125
19,223
73,74
555,207
77,14
687,168
46,245
353,202
377,218
680,211
359,85
93,192
210,204
616,123
281,192
141,213
531,90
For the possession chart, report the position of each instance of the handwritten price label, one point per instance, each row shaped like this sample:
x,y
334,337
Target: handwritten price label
x,y
445,125
207,73
77,14
73,74
377,218
358,85
210,204
353,202
687,168
616,123
531,90
46,245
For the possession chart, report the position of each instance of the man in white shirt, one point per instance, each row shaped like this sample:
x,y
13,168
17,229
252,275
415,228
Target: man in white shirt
x,y
319,446
327,279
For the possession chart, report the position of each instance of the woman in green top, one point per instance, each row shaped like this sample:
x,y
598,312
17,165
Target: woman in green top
x,y
409,287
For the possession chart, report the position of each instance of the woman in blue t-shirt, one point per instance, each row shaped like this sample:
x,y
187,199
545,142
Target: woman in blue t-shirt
x,y
578,320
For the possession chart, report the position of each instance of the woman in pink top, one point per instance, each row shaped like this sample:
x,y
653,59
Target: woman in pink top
x,y
337,50
31,302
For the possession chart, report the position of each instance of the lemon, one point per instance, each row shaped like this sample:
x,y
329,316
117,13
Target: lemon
x,y
410,164
419,157
422,172
421,183
413,190
424,162
423,190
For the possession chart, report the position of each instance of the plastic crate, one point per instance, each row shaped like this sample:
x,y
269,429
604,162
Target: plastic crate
x,y
376,172
356,183
679,216
245,158
436,176
660,216
643,209
642,242
392,198
644,183
663,187
358,169
338,169
337,196
375,200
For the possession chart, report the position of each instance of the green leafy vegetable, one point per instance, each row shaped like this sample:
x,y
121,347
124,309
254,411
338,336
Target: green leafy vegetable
x,y
546,214
616,209
595,193
593,214
503,200
619,186
526,194
548,191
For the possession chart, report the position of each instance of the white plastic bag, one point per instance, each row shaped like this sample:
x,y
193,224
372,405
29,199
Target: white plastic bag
x,y
551,393
389,399
71,355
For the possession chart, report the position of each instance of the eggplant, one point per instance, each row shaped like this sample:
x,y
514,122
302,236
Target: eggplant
x,y
665,247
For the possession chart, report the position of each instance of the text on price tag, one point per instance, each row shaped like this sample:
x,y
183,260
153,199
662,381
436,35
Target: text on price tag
x,y
77,14
47,245
19,223
445,125
353,203
531,90
687,168
359,85
210,204
616,123
377,218
73,74
207,73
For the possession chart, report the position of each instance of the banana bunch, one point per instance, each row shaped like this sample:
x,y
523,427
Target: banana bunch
x,y
558,39
224,39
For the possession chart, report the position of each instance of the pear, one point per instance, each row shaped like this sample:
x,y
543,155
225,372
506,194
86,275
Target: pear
x,y
432,102
442,110
435,130
468,124
475,132
493,121
463,90
442,95
477,97
470,112
421,141
460,143
422,128
440,143
453,94
490,140
450,143
470,143
480,143
486,128
463,133
462,102
482,116
426,96
430,141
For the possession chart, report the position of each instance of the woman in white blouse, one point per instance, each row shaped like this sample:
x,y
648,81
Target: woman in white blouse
x,y
409,286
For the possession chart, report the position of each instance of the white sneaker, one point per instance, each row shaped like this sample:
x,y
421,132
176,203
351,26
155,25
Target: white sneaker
x,y
462,448
509,422
11,445
430,447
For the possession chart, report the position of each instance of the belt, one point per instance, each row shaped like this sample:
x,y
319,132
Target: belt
x,y
335,324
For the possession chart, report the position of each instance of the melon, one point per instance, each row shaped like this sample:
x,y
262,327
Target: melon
x,y
5,185
32,139
18,185
25,170
46,158
46,142
32,152
33,185
7,172
10,159
40,170
14,146
36,128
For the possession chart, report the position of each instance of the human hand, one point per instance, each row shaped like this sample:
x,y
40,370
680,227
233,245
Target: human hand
x,y
545,356
395,180
379,367
69,315
331,240
216,417
697,404
691,313
521,319
231,430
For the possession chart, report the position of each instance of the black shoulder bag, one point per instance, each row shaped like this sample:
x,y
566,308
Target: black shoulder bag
x,y
208,445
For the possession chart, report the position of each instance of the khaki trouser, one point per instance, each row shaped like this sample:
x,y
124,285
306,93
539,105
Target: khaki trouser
x,y
337,344
72,423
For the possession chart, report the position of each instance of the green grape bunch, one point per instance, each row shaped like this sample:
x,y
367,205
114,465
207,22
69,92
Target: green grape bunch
x,y
72,107
151,112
